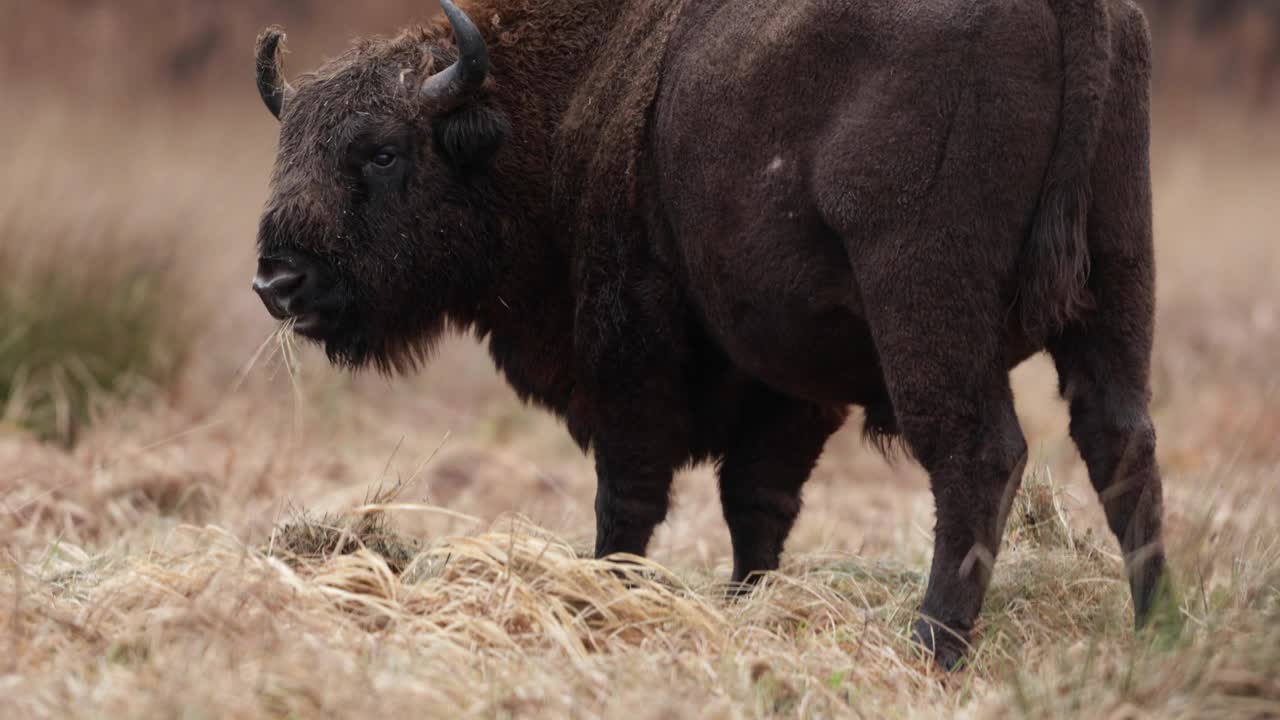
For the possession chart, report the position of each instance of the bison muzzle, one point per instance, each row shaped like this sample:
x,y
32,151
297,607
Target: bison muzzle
x,y
703,231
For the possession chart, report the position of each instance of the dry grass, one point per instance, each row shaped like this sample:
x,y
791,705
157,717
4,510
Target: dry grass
x,y
273,539
512,621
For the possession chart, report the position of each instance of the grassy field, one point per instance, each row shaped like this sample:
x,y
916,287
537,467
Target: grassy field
x,y
200,519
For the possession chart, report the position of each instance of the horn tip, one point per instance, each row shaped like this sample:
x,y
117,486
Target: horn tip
x,y
270,38
451,10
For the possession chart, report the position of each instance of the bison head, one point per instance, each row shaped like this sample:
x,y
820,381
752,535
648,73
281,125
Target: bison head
x,y
374,237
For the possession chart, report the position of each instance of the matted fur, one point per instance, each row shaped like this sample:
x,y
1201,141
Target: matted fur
x,y
602,132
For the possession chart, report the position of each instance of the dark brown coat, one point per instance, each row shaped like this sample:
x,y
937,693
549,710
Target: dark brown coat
x,y
703,230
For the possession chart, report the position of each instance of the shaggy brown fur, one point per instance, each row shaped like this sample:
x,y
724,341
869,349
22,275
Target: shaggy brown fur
x,y
703,230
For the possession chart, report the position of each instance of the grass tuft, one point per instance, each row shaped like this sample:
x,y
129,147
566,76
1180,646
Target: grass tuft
x,y
77,329
1037,517
316,540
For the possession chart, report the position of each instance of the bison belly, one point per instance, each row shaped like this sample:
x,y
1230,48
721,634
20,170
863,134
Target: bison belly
x,y
821,354
776,292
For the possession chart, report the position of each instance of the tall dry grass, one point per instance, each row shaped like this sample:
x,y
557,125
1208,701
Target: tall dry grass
x,y
260,536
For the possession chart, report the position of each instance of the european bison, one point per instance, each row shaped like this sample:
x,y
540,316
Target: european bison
x,y
703,230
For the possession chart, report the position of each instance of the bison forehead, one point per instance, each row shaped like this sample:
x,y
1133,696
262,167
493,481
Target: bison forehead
x,y
323,105
322,121
374,80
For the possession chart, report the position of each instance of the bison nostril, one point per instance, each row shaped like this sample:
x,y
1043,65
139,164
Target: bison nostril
x,y
278,285
281,283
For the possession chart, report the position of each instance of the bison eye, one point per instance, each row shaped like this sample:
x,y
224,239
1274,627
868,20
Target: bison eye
x,y
385,158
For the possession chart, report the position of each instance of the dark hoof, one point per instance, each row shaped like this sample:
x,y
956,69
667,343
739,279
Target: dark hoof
x,y
1160,618
633,574
948,647
733,591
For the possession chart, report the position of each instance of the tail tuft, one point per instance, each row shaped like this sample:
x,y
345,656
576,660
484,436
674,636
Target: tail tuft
x,y
1055,261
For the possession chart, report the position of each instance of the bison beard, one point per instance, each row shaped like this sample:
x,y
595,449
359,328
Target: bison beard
x,y
704,230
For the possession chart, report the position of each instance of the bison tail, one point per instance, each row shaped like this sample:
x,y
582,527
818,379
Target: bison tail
x,y
1054,267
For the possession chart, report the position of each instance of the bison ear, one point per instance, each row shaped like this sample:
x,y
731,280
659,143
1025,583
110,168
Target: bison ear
x,y
469,137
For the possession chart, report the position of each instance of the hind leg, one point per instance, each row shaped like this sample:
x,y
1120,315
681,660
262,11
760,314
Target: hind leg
x,y
1103,369
1104,360
941,347
1103,378
975,458
763,472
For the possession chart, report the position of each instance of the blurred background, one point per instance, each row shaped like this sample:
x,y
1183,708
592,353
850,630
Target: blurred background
x,y
136,372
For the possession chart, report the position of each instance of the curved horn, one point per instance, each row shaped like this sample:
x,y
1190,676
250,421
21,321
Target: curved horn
x,y
275,90
464,77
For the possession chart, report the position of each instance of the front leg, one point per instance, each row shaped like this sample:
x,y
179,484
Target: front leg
x,y
640,436
764,469
633,494
633,407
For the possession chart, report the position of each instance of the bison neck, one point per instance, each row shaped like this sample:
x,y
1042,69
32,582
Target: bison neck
x,y
576,78
528,321
540,52
551,59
